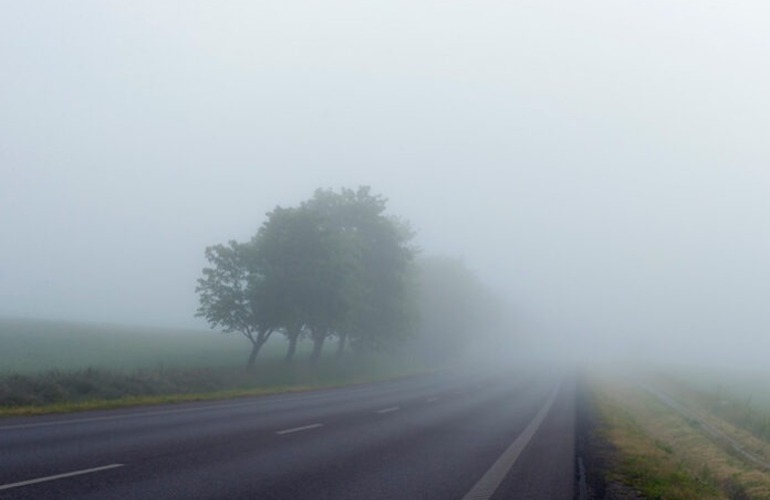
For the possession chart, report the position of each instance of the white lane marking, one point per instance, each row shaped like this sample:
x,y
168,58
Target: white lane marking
x,y
431,400
388,410
59,476
299,429
485,488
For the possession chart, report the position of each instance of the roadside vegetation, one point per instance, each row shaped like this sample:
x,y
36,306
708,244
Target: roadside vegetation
x,y
98,388
56,366
641,447
339,268
740,397
336,268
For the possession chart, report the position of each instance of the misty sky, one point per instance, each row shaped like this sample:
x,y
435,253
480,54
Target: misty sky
x,y
604,164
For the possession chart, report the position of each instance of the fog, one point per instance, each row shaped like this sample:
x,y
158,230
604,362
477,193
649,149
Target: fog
x,y
604,165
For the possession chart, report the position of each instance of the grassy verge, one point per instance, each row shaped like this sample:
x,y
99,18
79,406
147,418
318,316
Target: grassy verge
x,y
89,389
653,452
740,399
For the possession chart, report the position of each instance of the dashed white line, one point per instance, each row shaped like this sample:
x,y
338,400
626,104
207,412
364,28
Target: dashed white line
x,y
431,400
388,410
299,429
58,476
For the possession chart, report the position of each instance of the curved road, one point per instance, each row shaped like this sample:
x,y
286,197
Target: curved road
x,y
453,435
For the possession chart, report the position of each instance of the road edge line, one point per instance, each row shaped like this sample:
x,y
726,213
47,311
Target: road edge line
x,y
489,482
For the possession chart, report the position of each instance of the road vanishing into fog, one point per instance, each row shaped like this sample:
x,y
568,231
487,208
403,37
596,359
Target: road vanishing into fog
x,y
450,435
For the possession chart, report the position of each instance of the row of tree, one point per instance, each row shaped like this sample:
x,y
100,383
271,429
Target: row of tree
x,y
458,313
336,266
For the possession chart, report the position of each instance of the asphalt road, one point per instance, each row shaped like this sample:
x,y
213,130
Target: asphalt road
x,y
458,435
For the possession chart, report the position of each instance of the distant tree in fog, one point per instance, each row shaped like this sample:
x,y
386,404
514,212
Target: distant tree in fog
x,y
379,289
334,266
308,274
456,309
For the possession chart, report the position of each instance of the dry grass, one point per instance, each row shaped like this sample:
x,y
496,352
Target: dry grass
x,y
664,455
642,461
730,412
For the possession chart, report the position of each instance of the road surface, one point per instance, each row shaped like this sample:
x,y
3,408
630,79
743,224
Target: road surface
x,y
451,435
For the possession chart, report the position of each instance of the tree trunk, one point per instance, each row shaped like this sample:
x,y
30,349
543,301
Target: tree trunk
x,y
292,347
255,347
341,345
318,345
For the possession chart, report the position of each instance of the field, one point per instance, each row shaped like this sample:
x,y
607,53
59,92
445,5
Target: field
x,y
677,434
58,366
740,396
30,346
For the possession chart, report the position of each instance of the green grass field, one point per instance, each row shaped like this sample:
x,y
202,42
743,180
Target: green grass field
x,y
31,346
58,366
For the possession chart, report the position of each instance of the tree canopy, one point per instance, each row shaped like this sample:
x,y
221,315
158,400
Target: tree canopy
x,y
335,266
456,309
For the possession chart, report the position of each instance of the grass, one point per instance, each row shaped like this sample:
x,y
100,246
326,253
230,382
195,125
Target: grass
x,y
90,389
660,454
60,367
639,460
32,346
739,397
129,401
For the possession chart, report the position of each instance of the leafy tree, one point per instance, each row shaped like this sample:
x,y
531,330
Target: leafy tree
x,y
335,265
305,270
379,260
455,307
232,295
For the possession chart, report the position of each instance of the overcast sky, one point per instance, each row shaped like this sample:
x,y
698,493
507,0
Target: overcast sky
x,y
604,164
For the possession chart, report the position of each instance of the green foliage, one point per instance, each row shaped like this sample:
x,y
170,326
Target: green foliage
x,y
378,290
305,269
227,290
334,266
455,308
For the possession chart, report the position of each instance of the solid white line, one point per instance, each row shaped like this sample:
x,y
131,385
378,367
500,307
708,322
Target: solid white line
x,y
299,429
388,410
59,476
487,485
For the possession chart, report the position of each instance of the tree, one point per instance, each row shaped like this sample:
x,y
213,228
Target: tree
x,y
334,266
379,260
454,307
233,297
304,264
